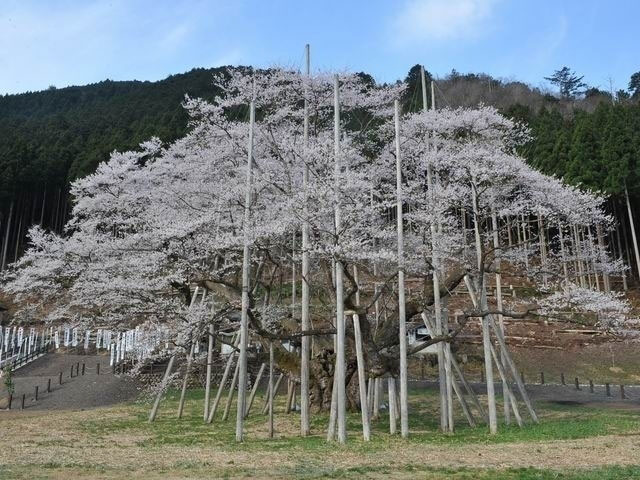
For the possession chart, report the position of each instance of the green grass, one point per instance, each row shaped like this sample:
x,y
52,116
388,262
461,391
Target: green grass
x,y
313,457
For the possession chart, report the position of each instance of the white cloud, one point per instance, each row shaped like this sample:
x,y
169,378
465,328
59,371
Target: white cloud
x,y
440,20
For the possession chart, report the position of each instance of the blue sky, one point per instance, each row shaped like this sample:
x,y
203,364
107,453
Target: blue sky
x,y
75,42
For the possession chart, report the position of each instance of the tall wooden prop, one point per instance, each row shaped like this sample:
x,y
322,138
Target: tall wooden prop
x,y
242,360
364,407
437,304
402,321
486,333
496,246
304,313
633,230
207,390
163,387
341,398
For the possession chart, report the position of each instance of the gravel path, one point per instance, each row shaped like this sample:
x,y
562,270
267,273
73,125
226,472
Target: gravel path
x,y
78,393
563,394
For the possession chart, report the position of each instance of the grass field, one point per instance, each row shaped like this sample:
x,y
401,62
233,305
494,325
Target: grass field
x,y
117,442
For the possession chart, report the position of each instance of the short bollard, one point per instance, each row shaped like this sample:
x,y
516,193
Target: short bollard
x,y
622,395
83,369
60,379
23,397
541,378
608,388
77,369
97,369
577,384
71,376
591,386
36,394
562,379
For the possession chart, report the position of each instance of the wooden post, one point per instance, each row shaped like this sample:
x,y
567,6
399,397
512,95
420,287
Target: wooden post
x,y
608,389
499,304
287,402
377,394
392,404
304,308
562,379
223,381
437,307
36,393
404,396
270,392
541,378
83,368
509,397
232,389
366,430
591,386
510,363
341,399
163,386
60,379
207,388
185,380
633,230
97,368
622,395
486,332
244,321
49,385
577,384
22,405
255,388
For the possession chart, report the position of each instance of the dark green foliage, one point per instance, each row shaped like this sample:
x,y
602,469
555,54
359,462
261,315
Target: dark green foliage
x,y
54,136
567,82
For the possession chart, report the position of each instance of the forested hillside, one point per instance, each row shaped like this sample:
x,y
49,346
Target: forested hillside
x,y
51,137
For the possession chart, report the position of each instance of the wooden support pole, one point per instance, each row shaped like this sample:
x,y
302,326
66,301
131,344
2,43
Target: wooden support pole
x,y
366,430
305,323
392,404
511,365
377,395
290,387
271,390
246,259
341,398
591,386
254,389
272,393
499,304
163,386
185,380
633,230
207,388
608,389
225,376
505,384
232,388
